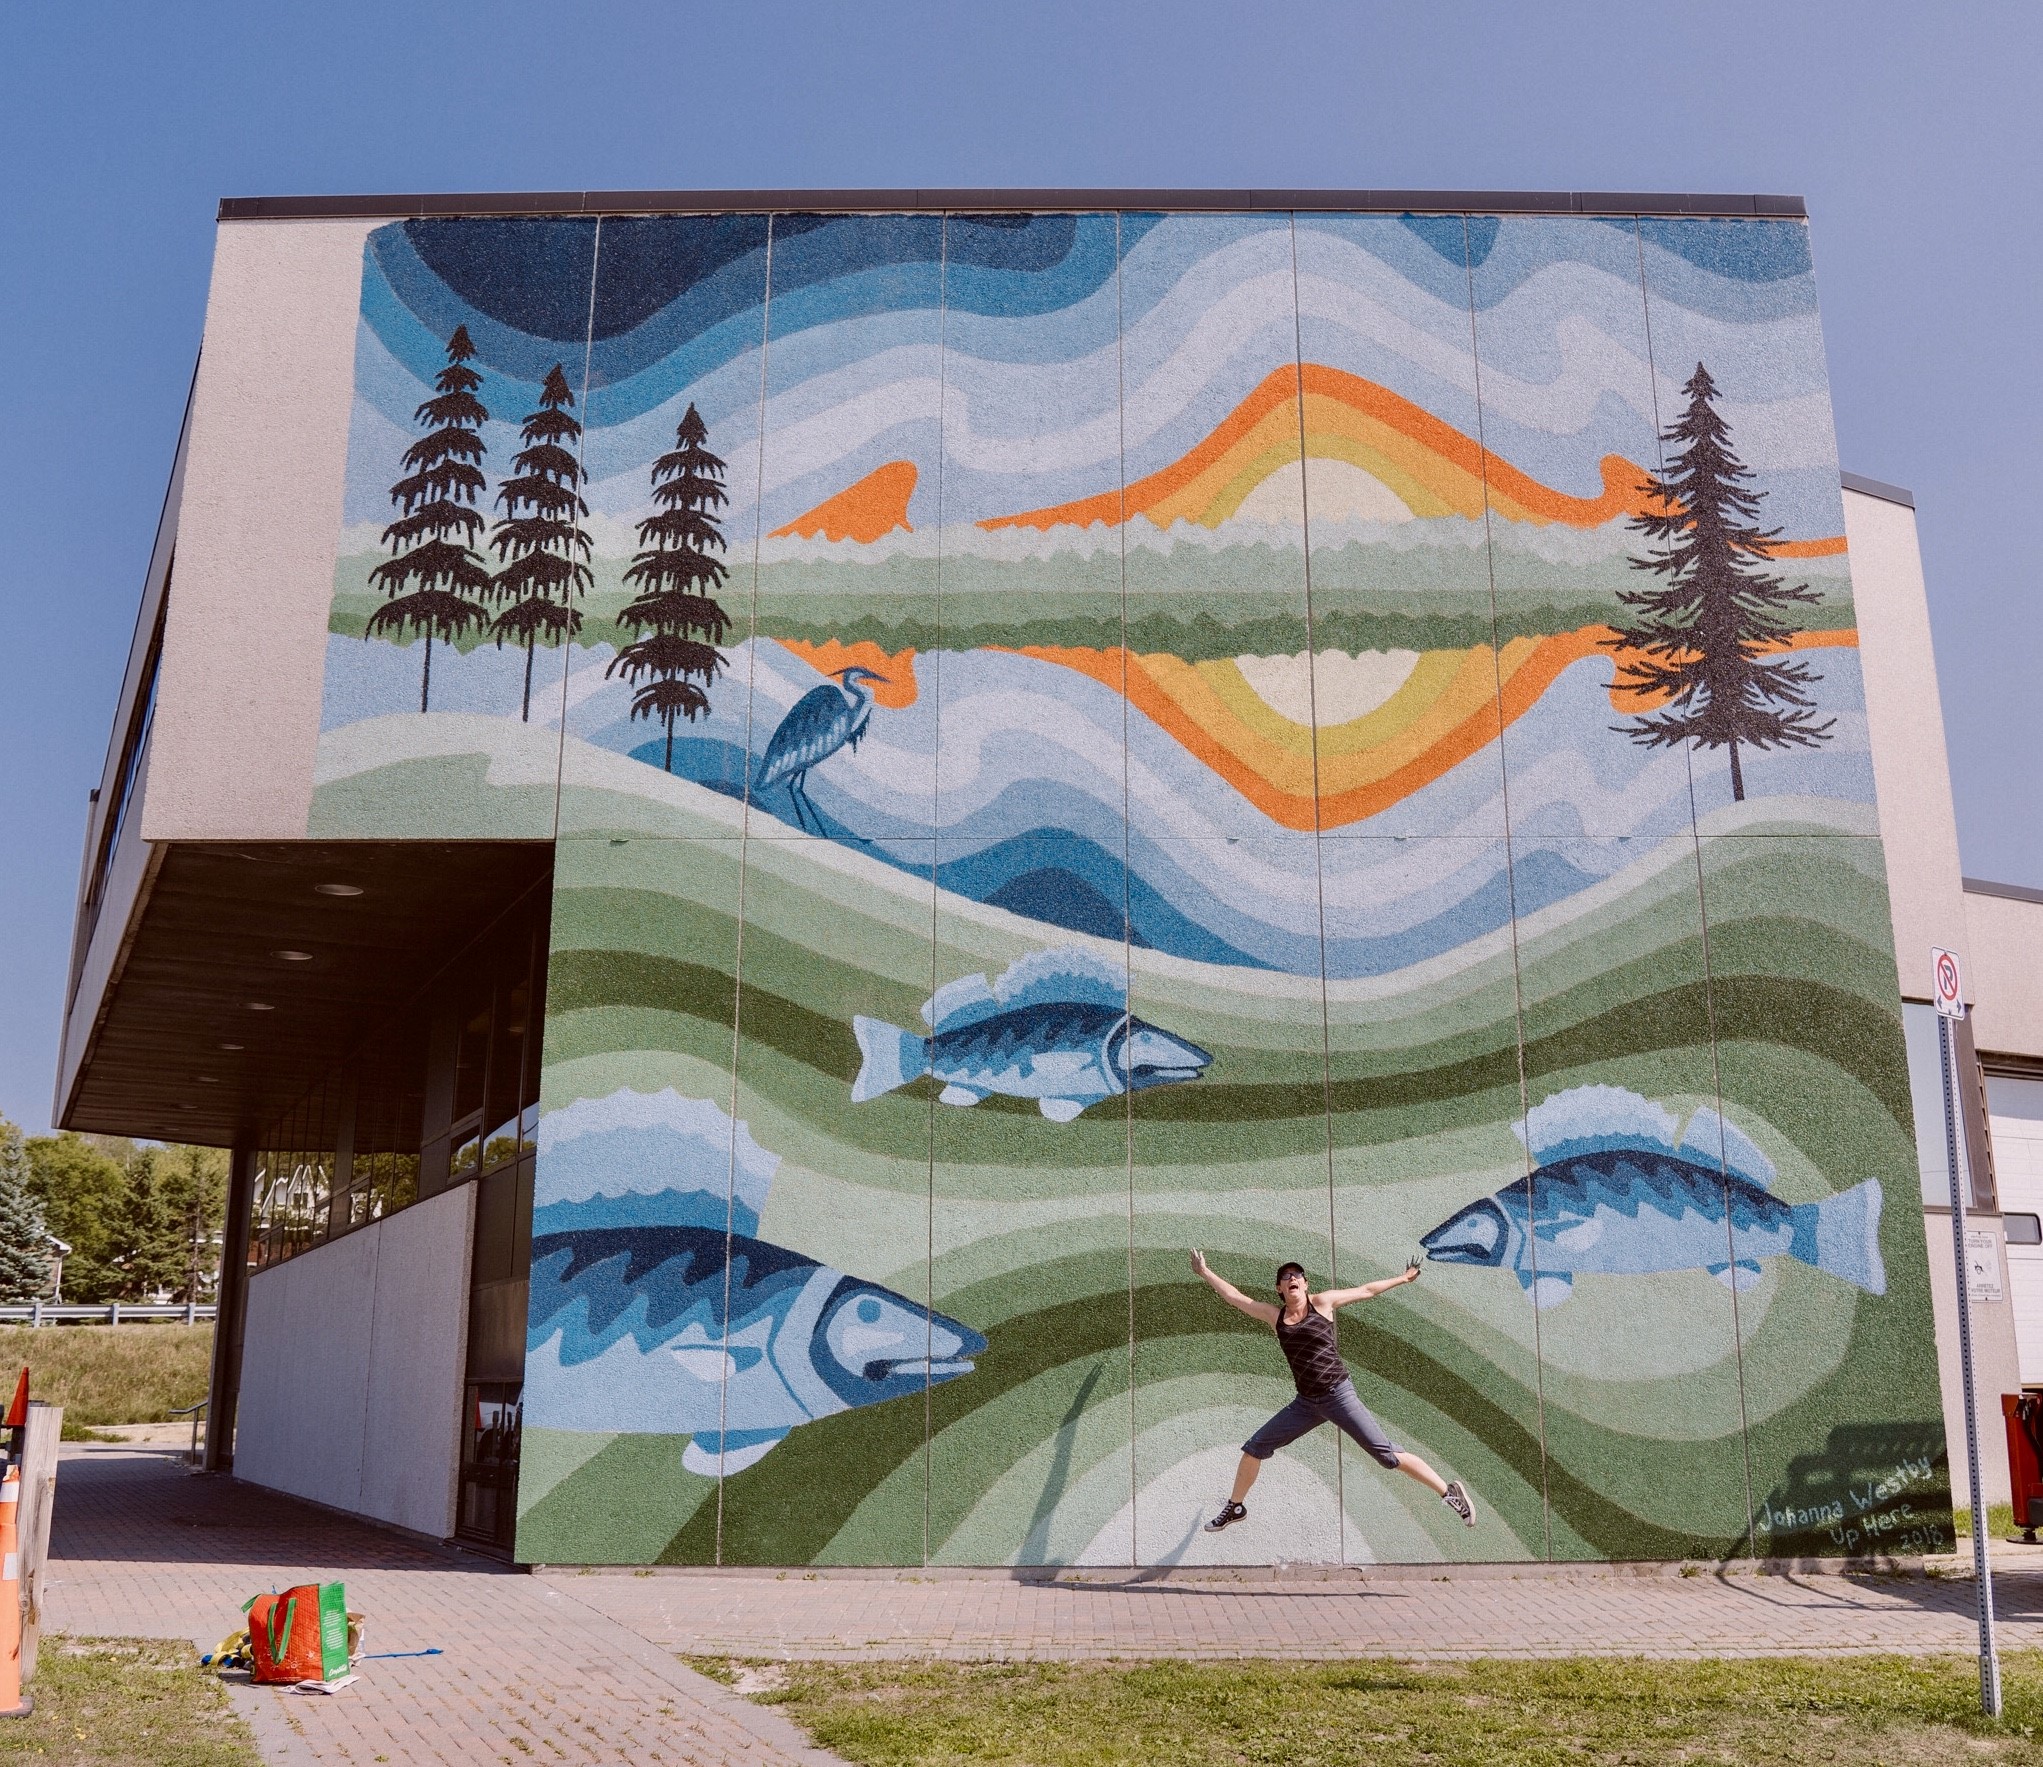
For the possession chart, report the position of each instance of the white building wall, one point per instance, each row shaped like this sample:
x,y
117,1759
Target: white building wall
x,y
2004,973
244,642
352,1368
1926,893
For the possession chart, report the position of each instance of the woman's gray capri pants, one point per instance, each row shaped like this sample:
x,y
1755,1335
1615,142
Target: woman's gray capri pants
x,y
1343,1406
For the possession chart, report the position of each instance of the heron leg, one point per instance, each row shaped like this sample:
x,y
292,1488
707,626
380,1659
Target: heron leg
x,y
799,798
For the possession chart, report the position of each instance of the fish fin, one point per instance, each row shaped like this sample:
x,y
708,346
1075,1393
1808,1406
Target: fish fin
x,y
1061,1110
1581,1236
889,1057
1738,1277
716,1453
960,1096
1548,1288
1594,1119
1709,1139
962,1002
1065,973
1841,1235
706,1363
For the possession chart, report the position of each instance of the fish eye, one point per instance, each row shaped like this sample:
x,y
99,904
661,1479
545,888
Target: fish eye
x,y
868,1310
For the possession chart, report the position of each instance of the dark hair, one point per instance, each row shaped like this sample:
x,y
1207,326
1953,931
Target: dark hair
x,y
1284,1270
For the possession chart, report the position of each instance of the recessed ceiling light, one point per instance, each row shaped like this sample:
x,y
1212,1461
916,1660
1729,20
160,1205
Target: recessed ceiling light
x,y
338,889
259,1006
234,1046
293,956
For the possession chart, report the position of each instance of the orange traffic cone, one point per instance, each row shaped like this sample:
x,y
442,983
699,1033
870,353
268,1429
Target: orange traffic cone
x,y
13,1702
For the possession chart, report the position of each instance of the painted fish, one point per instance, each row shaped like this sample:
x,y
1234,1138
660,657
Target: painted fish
x,y
1055,1027
1616,1192
729,1339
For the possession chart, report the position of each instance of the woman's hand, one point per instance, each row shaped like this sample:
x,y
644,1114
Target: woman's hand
x,y
1199,1262
1412,1270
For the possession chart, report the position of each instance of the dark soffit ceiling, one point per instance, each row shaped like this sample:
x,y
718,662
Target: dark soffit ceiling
x,y
205,945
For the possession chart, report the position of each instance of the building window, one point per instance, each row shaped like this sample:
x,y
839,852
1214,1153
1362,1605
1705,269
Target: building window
x,y
2023,1229
362,1144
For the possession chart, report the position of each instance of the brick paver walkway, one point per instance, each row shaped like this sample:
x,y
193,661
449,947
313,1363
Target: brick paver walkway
x,y
1531,1613
139,1546
570,1666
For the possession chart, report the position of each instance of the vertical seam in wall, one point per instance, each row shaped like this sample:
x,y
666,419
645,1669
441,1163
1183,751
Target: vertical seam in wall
x,y
567,647
935,783
1326,1097
369,1376
1127,861
1709,969
1510,877
744,866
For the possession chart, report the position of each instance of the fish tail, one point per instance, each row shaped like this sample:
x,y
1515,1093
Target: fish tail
x,y
889,1057
1841,1235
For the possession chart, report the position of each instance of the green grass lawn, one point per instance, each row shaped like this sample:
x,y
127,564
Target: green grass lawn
x,y
109,1373
133,1702
1864,1711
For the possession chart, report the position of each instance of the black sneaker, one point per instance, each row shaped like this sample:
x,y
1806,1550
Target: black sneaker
x,y
1456,1499
1230,1513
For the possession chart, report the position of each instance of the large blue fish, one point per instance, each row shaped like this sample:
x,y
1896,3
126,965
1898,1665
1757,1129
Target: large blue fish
x,y
731,1340
1615,1192
1055,1027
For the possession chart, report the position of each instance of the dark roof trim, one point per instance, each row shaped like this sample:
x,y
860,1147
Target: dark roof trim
x,y
1979,886
682,202
1875,488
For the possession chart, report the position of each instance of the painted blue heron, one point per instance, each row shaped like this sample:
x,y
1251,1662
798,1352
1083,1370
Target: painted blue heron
x,y
817,725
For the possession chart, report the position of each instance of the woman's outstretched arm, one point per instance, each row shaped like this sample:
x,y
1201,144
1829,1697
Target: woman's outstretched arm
x,y
1266,1311
1340,1297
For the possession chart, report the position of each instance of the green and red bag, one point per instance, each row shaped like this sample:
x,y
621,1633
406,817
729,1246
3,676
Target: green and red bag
x,y
301,1634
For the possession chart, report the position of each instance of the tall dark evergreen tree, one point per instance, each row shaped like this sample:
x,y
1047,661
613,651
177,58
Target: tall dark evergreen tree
x,y
540,543
680,624
1704,635
24,1239
435,581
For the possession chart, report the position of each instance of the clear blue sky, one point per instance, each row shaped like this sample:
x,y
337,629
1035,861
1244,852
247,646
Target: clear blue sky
x,y
1913,132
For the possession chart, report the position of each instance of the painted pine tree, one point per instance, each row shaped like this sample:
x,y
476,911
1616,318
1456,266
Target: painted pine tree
x,y
540,545
435,581
1704,640
674,659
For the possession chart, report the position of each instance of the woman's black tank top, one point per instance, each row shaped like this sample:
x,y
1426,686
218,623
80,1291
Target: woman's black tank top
x,y
1314,1352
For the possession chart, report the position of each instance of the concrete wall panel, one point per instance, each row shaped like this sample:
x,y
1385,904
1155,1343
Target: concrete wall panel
x,y
306,1361
352,1368
2002,974
1906,713
237,714
412,1423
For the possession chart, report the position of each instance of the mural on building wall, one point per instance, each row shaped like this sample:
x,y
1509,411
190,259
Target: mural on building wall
x,y
1072,737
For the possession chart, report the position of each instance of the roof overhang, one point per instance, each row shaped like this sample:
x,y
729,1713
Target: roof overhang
x,y
859,202
245,973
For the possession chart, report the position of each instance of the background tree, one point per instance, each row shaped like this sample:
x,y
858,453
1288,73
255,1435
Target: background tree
x,y
24,1236
435,580
82,1183
1702,640
539,541
679,622
192,1188
141,1221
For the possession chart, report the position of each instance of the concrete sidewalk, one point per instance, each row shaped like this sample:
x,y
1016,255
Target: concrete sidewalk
x,y
581,1666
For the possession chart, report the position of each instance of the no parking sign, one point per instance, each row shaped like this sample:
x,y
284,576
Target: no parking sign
x,y
1948,982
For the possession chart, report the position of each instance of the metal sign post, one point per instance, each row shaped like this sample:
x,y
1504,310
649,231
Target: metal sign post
x,y
1950,999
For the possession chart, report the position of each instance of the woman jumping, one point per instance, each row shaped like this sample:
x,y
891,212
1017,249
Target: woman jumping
x,y
1326,1394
